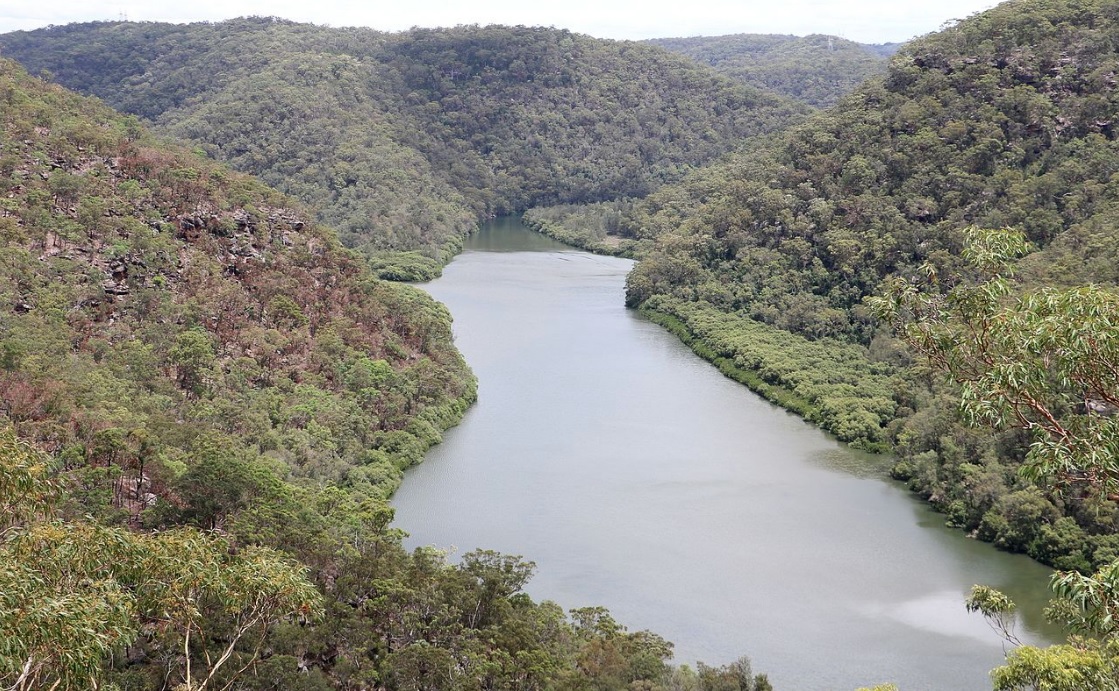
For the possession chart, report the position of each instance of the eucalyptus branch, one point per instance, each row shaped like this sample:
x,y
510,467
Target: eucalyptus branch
x,y
186,657
252,658
1054,428
24,675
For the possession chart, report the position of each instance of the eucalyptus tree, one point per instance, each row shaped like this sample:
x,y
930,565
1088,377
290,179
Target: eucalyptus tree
x,y
1045,361
74,594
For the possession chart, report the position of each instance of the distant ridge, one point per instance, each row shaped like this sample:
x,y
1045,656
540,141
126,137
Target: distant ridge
x,y
816,70
403,141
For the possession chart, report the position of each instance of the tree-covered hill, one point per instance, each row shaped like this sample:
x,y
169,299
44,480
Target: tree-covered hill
x,y
1004,119
145,287
199,386
816,69
402,141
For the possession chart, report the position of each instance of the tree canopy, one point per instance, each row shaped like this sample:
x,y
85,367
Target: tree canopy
x,y
1002,119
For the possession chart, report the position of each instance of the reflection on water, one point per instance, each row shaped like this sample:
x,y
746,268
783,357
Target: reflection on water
x,y
507,234
934,613
638,478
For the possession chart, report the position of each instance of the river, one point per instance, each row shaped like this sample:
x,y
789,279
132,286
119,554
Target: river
x,y
639,478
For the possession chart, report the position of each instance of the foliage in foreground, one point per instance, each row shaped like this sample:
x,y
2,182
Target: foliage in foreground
x,y
1045,362
73,593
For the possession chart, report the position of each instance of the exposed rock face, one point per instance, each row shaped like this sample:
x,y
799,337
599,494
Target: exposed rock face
x,y
133,493
1100,407
113,288
137,279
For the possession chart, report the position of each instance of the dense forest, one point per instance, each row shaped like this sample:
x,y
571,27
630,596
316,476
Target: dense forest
x,y
404,141
183,349
1004,119
204,402
816,70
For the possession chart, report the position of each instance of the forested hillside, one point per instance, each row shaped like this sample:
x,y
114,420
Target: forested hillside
x,y
1005,119
816,70
204,402
403,141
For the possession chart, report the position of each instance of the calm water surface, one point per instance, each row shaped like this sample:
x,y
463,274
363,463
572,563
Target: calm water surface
x,y
639,478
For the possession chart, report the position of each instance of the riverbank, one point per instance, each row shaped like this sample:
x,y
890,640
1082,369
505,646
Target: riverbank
x,y
584,226
832,384
842,392
874,404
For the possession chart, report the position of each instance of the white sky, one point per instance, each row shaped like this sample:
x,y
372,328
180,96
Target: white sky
x,y
867,21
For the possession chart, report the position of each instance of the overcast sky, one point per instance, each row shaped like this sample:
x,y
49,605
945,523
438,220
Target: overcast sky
x,y
867,21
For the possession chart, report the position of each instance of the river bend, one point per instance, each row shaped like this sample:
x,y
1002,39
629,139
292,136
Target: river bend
x,y
639,478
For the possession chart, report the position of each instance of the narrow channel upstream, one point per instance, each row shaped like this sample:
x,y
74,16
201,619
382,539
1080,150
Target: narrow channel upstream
x,y
639,478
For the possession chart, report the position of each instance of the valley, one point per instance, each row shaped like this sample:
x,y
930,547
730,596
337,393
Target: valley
x,y
238,365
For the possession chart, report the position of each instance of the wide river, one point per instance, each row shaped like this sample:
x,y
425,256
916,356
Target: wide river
x,y
639,478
